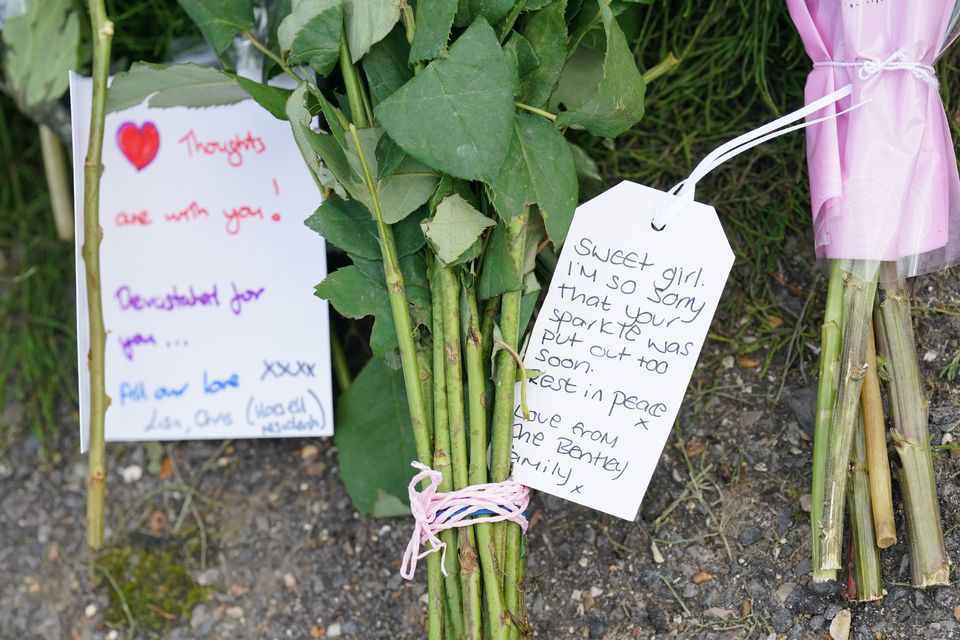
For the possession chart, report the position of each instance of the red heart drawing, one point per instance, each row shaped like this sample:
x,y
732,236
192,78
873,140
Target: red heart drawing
x,y
139,144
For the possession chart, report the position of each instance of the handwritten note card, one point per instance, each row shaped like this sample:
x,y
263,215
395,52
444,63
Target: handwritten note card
x,y
617,338
213,330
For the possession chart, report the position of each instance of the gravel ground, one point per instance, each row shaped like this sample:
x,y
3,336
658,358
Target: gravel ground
x,y
720,549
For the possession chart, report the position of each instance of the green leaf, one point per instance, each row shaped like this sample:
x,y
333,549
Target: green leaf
x,y
42,45
401,192
521,58
579,79
456,114
617,103
374,442
499,274
348,225
389,156
539,169
354,294
585,165
312,34
368,22
176,85
547,33
314,145
455,228
386,67
358,291
434,19
276,12
383,338
493,11
273,99
220,20
386,505
528,301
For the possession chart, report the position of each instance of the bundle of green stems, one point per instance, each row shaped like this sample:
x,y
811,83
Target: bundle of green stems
x,y
867,338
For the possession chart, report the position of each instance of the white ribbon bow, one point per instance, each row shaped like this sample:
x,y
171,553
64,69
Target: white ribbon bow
x,y
894,62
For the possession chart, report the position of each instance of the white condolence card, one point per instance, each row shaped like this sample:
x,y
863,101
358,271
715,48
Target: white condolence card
x,y
617,340
207,275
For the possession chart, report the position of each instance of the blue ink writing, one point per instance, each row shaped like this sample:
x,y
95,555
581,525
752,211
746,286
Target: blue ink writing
x,y
161,393
212,386
277,369
132,392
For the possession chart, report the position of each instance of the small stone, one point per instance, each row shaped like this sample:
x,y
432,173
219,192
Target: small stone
x,y
832,611
761,467
234,612
782,620
317,632
576,595
316,469
700,577
583,562
90,611
209,577
289,581
805,500
596,627
131,474
596,592
658,619
930,356
956,612
823,588
727,362
746,608
718,613
113,634
157,522
309,451
655,550
749,535
840,626
334,630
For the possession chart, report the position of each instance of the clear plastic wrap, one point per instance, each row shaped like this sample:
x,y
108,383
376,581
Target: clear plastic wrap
x,y
883,178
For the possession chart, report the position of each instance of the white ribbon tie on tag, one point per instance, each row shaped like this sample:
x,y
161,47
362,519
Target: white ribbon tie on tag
x,y
684,192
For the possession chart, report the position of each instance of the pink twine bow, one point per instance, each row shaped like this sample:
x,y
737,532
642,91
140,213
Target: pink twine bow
x,y
435,511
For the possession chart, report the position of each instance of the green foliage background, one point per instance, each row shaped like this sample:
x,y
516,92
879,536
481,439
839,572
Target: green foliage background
x,y
741,64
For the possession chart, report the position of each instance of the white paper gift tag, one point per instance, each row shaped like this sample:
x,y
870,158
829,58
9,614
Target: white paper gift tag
x,y
617,340
207,273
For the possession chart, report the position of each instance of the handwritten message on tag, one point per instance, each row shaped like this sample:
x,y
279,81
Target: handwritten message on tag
x,y
207,275
617,338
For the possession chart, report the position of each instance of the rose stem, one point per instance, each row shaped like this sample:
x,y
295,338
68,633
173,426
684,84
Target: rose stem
x,y
859,287
865,555
929,564
502,428
878,464
476,381
441,449
102,29
456,416
826,394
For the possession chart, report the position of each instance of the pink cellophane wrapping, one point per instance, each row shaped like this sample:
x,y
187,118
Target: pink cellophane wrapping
x,y
883,178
